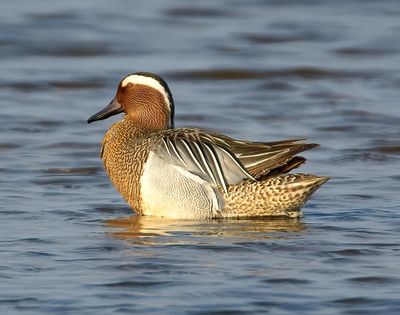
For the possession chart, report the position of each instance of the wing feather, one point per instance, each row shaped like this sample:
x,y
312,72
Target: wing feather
x,y
216,166
203,157
223,161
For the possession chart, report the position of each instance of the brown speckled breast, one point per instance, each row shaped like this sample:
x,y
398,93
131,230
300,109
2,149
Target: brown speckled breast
x,y
124,152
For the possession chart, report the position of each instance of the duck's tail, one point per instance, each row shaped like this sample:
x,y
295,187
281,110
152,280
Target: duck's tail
x,y
281,195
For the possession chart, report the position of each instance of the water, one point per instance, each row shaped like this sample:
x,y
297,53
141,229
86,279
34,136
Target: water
x,y
262,70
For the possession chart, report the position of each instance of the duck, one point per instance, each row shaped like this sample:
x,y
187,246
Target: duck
x,y
191,173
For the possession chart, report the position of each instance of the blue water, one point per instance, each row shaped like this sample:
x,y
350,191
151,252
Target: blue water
x,y
328,71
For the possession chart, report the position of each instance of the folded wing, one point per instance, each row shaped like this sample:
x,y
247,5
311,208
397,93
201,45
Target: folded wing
x,y
224,161
198,154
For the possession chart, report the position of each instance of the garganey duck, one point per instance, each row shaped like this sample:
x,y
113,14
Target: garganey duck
x,y
190,173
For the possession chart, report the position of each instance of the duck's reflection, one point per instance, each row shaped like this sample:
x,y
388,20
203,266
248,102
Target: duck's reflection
x,y
136,228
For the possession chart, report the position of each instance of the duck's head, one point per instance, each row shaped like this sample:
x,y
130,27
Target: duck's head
x,y
145,98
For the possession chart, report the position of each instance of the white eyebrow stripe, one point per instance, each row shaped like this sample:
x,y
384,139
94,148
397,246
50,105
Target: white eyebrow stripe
x,y
153,83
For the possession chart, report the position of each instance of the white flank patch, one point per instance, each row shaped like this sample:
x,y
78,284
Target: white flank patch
x,y
170,191
153,83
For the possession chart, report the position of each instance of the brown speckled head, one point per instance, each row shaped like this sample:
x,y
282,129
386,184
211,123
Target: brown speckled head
x,y
145,98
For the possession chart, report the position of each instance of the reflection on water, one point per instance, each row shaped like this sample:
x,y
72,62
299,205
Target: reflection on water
x,y
135,227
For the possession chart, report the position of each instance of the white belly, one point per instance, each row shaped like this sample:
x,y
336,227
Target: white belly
x,y
170,191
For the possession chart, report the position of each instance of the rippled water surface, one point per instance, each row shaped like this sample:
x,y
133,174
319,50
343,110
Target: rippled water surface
x,y
263,70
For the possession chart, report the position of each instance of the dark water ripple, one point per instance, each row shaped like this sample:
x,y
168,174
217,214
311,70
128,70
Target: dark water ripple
x,y
263,70
243,74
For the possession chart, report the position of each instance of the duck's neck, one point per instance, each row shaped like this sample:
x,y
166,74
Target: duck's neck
x,y
143,125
